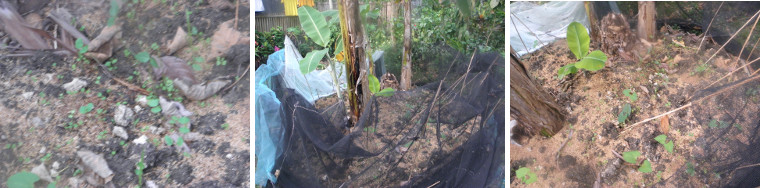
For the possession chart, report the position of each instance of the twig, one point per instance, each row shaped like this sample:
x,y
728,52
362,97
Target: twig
x,y
570,135
518,35
745,45
239,78
237,6
617,155
697,101
131,86
745,166
708,27
732,36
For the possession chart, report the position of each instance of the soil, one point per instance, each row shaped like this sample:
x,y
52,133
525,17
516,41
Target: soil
x,y
670,75
40,121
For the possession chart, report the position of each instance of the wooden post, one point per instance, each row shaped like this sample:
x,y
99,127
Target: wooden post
x,y
646,26
534,109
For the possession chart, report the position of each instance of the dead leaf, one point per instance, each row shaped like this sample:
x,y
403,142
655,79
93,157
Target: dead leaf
x,y
664,124
173,68
13,24
224,38
173,108
97,163
179,41
106,34
202,91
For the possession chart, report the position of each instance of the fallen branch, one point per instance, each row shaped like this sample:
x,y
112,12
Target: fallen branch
x,y
236,81
708,27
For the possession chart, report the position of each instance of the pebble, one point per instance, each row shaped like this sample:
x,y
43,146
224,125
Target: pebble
x,y
75,85
27,95
156,130
120,132
42,173
141,140
138,108
123,115
55,165
151,184
229,156
142,100
43,149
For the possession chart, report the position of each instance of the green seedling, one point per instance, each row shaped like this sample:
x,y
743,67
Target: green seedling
x,y
22,180
668,145
374,87
690,169
525,175
86,108
79,45
225,126
631,156
154,46
631,95
153,102
578,43
140,166
646,167
221,61
168,140
623,116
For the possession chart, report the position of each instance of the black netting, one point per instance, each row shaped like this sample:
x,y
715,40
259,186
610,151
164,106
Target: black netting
x,y
447,137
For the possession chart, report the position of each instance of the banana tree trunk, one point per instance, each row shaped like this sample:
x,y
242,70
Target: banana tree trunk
x,y
356,65
646,25
406,62
532,107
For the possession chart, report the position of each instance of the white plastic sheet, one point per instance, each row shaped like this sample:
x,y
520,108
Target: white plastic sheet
x,y
312,86
546,23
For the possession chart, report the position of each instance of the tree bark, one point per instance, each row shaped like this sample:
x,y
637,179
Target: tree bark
x,y
646,25
593,21
356,64
406,65
534,109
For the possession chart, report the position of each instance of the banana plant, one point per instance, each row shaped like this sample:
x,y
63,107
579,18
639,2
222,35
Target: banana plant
x,y
578,42
316,28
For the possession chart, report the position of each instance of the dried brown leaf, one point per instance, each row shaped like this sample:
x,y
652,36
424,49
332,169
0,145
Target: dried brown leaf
x,y
97,163
13,24
173,68
202,91
224,38
179,41
106,34
664,124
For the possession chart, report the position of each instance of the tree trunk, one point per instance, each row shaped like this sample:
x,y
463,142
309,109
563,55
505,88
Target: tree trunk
x,y
356,64
646,27
593,21
406,64
534,109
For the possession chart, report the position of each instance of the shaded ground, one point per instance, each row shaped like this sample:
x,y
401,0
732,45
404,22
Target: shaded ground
x,y
41,122
711,137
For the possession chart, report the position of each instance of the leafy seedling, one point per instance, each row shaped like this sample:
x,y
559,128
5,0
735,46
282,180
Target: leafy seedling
x,y
139,170
668,145
713,123
168,140
631,156
623,116
578,43
646,167
525,175
86,108
153,102
142,57
22,180
631,95
374,87
690,169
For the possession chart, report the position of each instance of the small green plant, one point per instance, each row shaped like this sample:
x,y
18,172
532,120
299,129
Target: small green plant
x,y
22,180
140,166
153,103
525,175
645,167
154,46
668,145
86,108
113,11
631,156
374,87
578,42
102,134
221,61
79,45
623,116
631,95
701,68
225,126
690,169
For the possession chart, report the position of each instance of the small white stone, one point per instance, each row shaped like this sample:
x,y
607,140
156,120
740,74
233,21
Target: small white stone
x,y
75,85
142,100
43,149
120,132
27,95
42,172
56,165
151,184
53,173
123,115
229,156
141,140
138,108
48,78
